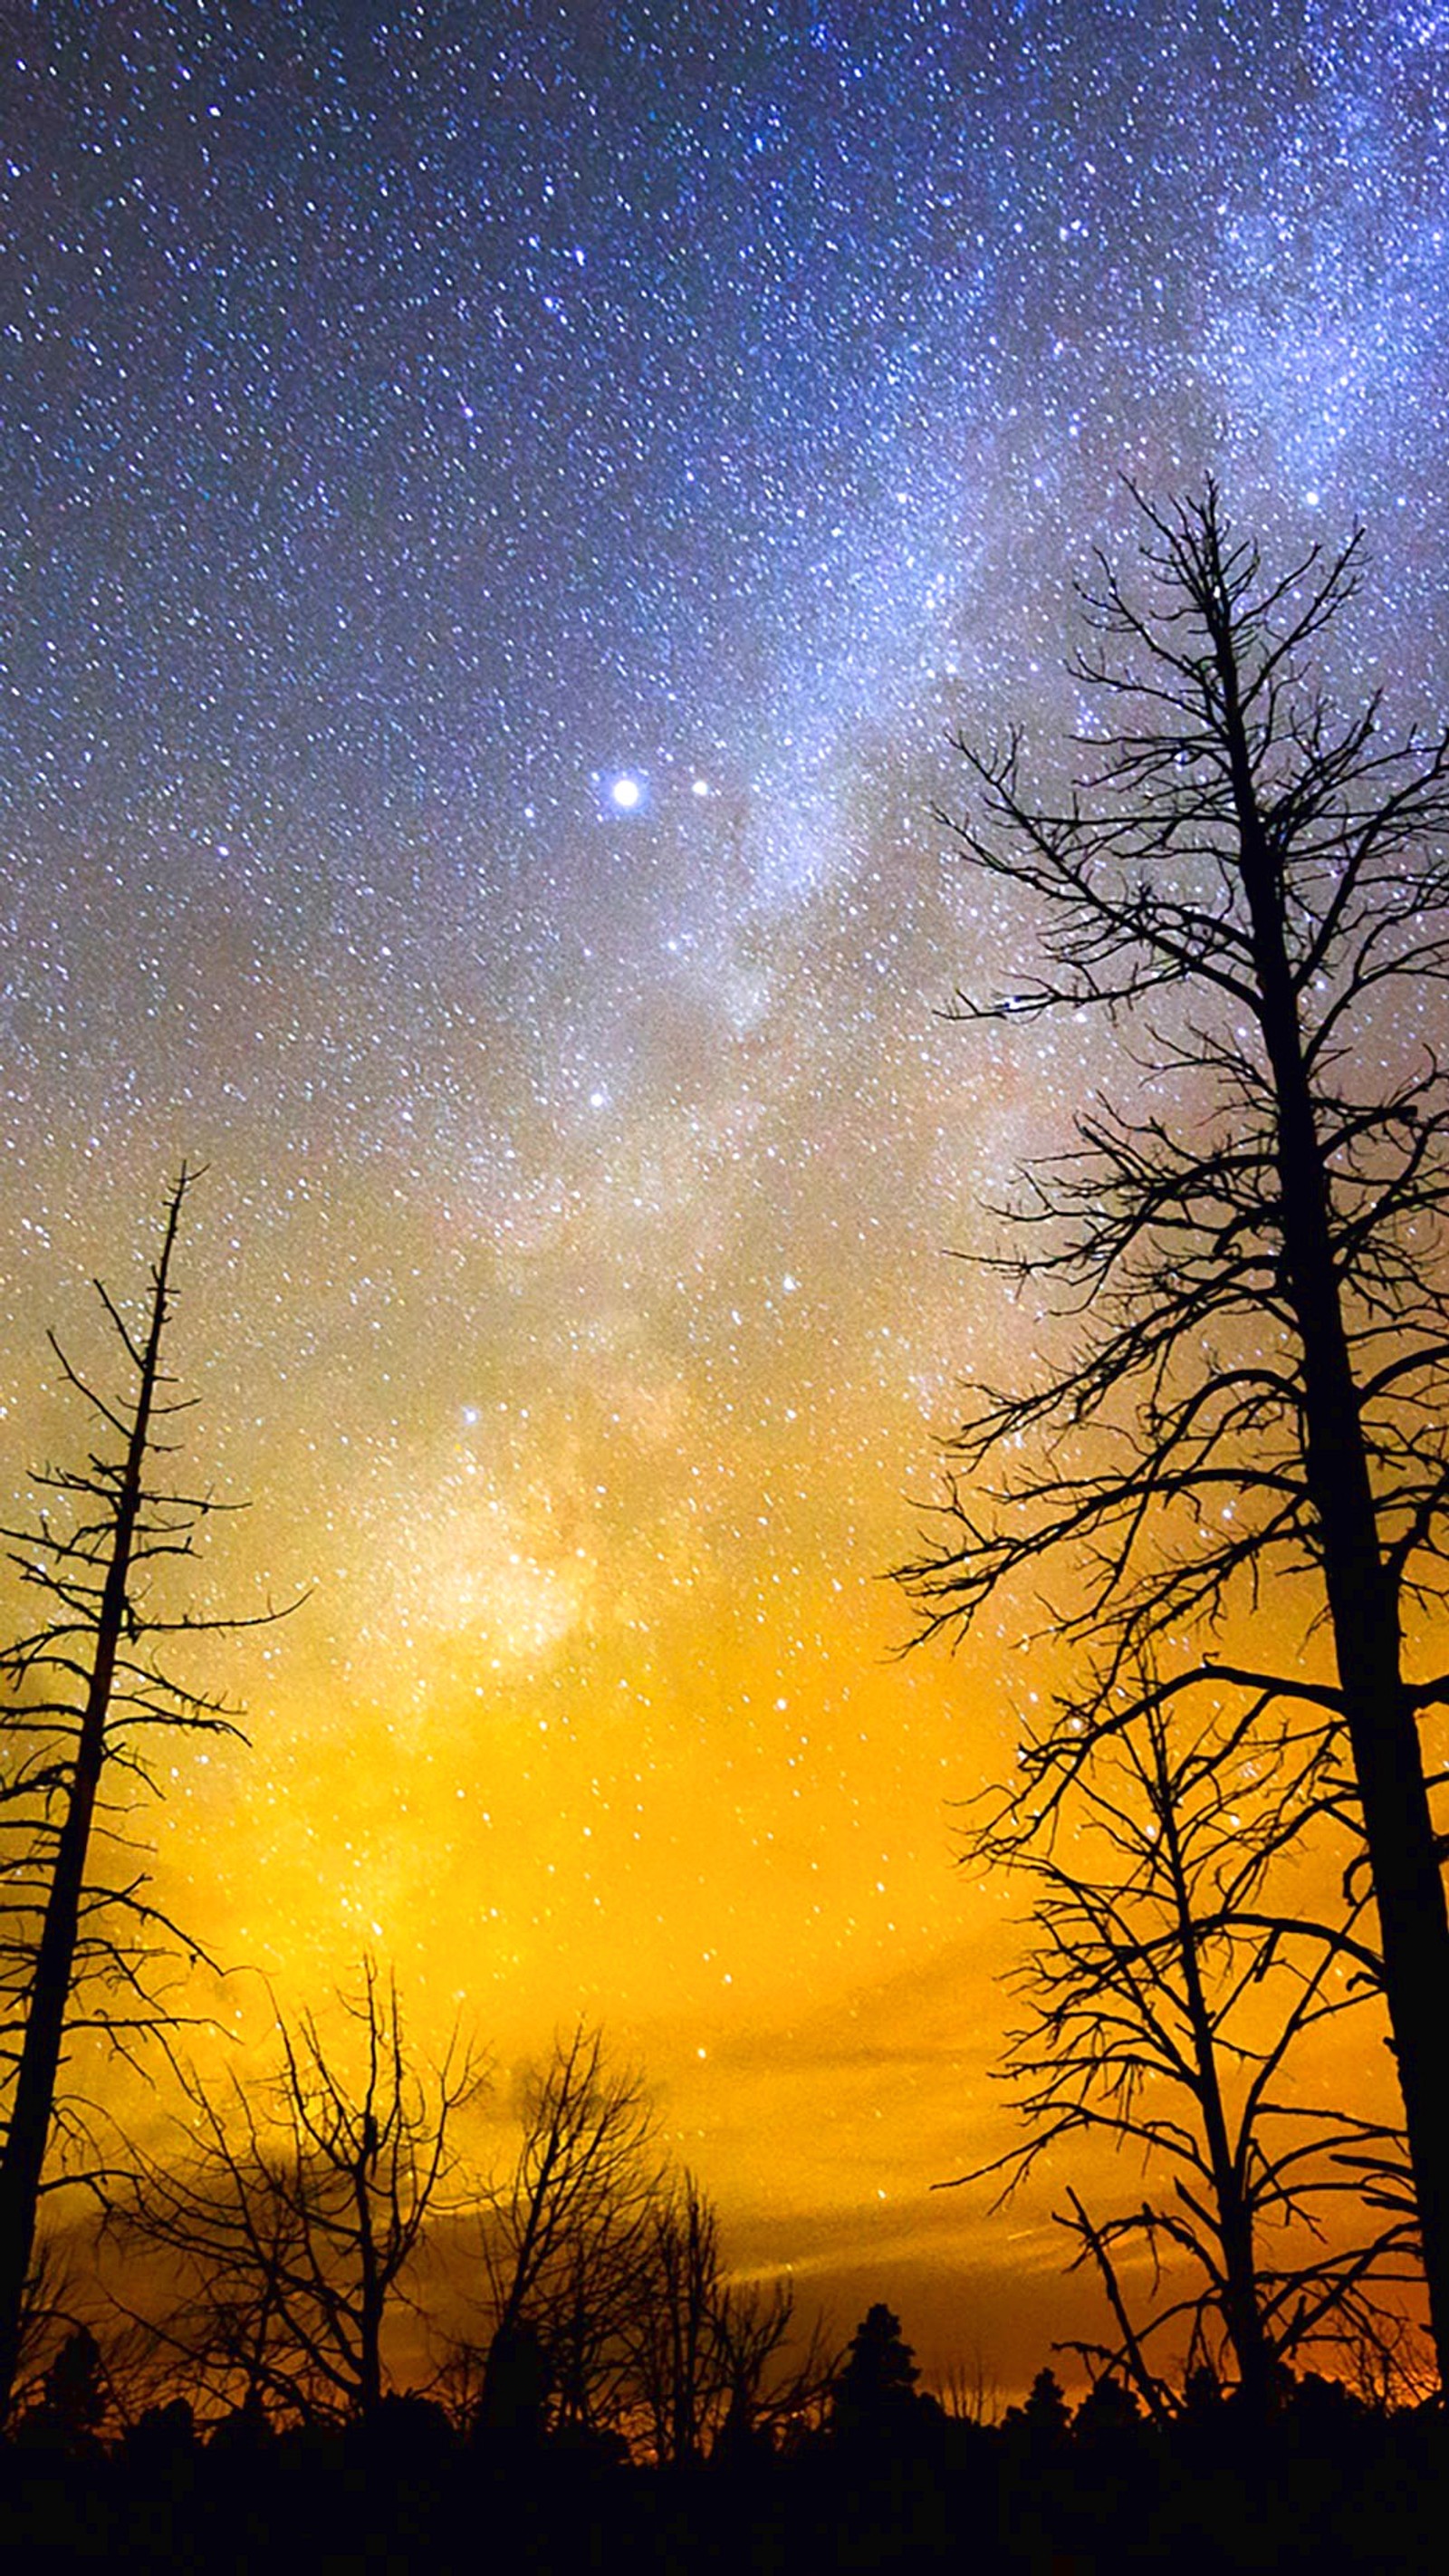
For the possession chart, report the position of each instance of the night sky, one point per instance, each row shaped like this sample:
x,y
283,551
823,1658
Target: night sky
x,y
503,507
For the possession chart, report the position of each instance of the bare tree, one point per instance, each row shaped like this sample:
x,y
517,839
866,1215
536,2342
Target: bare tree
x,y
1177,1991
82,1947
779,2370
1254,893
679,2361
715,2361
567,2235
291,2228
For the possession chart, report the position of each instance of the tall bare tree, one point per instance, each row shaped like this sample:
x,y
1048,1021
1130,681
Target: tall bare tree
x,y
1178,1992
83,1947
1252,891
290,2227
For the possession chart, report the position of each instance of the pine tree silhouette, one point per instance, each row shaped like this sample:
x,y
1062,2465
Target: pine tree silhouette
x,y
875,2394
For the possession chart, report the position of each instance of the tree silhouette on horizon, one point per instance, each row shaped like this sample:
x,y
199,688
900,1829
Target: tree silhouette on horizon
x,y
86,1691
1251,890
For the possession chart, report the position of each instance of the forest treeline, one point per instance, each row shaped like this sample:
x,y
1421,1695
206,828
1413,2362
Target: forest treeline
x,y
1226,1477
876,2475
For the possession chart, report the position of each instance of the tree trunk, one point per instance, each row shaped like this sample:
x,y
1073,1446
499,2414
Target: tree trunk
x,y
1362,1594
1241,2306
23,2160
369,2389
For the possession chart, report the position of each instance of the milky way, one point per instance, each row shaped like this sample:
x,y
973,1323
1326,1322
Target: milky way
x,y
503,507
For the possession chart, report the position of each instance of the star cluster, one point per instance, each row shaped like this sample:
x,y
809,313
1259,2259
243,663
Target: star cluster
x,y
503,506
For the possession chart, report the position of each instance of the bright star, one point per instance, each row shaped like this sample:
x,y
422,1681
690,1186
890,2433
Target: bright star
x,y
626,794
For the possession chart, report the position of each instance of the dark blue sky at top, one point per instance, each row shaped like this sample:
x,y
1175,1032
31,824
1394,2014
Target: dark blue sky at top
x,y
414,418
411,395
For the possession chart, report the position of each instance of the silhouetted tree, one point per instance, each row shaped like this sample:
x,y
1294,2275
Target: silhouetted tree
x,y
161,2439
1044,2416
75,2384
714,2365
1174,1991
777,2371
1255,892
82,1947
511,2408
293,2223
567,2234
607,2306
1108,2410
875,2391
678,2357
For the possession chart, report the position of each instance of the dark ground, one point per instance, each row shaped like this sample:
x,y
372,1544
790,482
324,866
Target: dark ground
x,y
1333,2487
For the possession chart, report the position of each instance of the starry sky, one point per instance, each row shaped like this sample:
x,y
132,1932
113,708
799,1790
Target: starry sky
x,y
503,507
